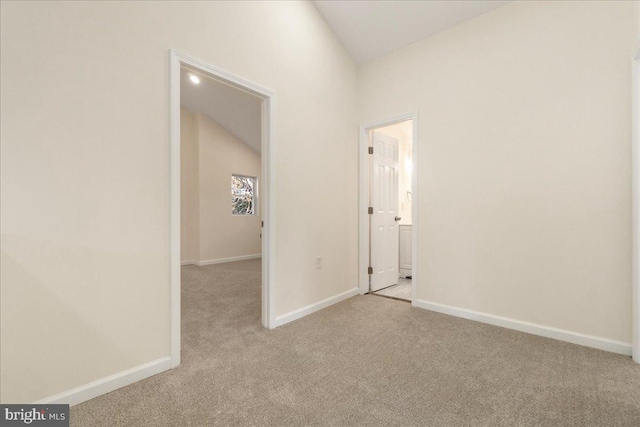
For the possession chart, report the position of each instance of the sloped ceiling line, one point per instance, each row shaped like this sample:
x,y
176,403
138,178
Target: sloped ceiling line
x,y
237,111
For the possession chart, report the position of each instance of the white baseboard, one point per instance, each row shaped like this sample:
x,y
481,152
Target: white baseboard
x,y
223,260
530,328
301,312
189,262
105,385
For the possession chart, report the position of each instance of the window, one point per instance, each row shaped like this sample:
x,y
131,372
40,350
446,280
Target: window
x,y
244,191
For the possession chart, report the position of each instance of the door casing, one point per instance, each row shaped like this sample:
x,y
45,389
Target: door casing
x,y
635,162
363,187
267,188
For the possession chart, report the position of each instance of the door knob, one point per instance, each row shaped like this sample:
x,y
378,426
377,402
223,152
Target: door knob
x,y
398,218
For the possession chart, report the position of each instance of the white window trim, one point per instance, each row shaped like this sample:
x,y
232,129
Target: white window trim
x,y
256,200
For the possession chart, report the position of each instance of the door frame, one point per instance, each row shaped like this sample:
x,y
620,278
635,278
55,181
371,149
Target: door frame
x,y
635,184
178,60
363,190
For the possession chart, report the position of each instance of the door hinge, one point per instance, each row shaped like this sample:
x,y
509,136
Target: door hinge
x,y
370,270
370,150
370,210
261,223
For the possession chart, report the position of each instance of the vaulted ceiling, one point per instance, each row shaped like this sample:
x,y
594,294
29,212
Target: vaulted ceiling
x,y
368,30
237,111
372,29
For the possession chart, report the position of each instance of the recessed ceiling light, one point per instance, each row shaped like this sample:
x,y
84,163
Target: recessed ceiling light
x,y
194,79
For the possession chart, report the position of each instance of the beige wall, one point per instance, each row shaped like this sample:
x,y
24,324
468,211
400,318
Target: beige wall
x,y
219,154
189,187
85,172
524,161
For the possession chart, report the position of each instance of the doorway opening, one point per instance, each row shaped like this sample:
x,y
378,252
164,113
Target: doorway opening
x,y
388,244
222,202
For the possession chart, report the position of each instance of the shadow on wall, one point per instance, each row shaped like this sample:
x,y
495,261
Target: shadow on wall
x,y
73,333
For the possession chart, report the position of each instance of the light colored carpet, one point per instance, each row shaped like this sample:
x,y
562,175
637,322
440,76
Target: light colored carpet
x,y
367,361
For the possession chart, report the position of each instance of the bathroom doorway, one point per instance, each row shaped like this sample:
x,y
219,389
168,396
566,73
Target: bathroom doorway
x,y
387,232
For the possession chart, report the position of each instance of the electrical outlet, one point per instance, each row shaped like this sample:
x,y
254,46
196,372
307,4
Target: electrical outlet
x,y
318,262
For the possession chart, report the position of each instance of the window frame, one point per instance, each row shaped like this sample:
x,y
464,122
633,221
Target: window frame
x,y
256,204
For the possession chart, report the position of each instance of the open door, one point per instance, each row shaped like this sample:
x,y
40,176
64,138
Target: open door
x,y
384,219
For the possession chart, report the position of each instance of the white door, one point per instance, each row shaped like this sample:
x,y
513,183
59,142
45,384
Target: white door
x,y
384,220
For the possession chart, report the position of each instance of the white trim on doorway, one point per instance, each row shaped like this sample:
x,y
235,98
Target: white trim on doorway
x,y
176,61
363,186
635,161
